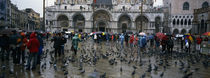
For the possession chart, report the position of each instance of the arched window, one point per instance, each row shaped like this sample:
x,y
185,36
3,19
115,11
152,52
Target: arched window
x,y
189,22
186,6
178,22
181,21
205,5
185,22
174,22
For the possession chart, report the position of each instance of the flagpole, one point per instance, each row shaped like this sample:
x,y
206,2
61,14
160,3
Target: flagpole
x,y
93,16
43,28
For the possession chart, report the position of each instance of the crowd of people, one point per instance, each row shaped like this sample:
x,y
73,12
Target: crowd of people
x,y
16,44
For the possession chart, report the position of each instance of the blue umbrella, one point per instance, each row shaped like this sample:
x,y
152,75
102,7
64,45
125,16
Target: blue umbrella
x,y
151,37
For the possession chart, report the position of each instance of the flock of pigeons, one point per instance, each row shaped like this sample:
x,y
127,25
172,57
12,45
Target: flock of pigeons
x,y
90,54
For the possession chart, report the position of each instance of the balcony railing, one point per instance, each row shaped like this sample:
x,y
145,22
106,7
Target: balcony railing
x,y
112,10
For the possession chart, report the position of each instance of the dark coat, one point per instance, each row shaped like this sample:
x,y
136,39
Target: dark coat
x,y
4,41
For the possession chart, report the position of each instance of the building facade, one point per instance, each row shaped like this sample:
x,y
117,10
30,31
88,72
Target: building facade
x,y
4,14
33,19
12,17
104,15
181,14
201,22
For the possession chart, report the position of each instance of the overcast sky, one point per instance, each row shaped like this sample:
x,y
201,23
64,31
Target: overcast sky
x,y
37,4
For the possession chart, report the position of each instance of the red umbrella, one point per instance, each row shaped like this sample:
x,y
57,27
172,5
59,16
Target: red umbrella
x,y
165,38
207,33
161,35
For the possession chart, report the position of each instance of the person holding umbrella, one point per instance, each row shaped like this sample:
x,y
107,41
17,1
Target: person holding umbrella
x,y
170,45
199,40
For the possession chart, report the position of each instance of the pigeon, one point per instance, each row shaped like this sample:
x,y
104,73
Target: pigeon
x,y
185,71
111,61
82,71
196,69
133,73
55,67
134,67
155,68
161,75
103,75
188,75
39,72
66,73
120,69
144,75
149,68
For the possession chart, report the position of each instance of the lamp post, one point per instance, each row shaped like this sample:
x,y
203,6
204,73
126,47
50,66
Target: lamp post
x,y
43,28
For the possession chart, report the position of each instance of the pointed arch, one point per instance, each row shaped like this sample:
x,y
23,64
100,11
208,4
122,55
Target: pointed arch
x,y
189,22
185,22
174,21
181,21
177,22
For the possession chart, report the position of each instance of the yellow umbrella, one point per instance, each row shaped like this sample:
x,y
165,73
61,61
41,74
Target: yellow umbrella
x,y
103,33
189,36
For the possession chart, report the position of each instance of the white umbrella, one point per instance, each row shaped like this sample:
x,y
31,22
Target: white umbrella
x,y
91,33
142,34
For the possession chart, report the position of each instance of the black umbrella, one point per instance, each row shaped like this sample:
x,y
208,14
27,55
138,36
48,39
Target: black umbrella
x,y
6,31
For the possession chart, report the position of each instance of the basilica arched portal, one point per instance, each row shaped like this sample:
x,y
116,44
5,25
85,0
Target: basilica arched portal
x,y
124,23
142,23
62,21
101,20
78,22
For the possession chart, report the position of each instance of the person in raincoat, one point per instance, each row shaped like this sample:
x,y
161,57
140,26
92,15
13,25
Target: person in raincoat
x,y
24,42
122,40
131,41
139,45
33,46
40,38
75,41
143,43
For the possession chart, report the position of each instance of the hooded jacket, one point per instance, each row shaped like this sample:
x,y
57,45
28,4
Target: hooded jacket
x,y
75,41
33,44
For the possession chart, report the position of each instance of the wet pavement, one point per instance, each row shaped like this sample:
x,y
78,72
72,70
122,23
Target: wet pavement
x,y
107,60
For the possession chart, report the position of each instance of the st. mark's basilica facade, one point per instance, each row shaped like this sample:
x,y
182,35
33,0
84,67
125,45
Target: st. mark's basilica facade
x,y
104,15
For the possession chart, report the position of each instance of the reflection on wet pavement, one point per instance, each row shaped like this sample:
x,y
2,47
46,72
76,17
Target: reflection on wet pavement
x,y
107,60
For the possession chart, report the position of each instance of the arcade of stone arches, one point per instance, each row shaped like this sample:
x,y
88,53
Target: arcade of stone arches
x,y
101,21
